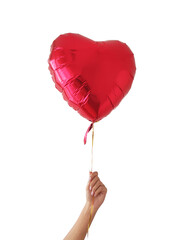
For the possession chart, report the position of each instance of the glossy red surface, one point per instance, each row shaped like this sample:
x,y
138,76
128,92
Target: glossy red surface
x,y
93,77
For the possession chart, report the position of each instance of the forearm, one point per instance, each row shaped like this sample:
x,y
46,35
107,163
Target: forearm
x,y
95,189
79,230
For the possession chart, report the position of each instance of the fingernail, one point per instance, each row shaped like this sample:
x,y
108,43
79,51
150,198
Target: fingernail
x,y
90,188
92,193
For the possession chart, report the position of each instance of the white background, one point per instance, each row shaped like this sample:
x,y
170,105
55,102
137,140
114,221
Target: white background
x,y
140,148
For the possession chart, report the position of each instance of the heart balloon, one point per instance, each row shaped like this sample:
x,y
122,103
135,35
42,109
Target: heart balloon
x,y
93,77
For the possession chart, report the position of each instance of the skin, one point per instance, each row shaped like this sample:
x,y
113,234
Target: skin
x,y
94,189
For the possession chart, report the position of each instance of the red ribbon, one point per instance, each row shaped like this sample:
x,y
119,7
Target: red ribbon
x,y
85,136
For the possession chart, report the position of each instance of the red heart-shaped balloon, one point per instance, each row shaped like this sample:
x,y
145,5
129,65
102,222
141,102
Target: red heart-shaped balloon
x,y
92,76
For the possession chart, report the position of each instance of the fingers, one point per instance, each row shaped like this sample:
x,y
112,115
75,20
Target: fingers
x,y
96,186
94,181
100,189
93,175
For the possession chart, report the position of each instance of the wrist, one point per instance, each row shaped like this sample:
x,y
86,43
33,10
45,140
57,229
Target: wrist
x,y
89,206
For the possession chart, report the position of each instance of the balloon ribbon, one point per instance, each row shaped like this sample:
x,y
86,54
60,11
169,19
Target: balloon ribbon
x,y
91,168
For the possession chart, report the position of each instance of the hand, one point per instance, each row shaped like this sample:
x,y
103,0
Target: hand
x,y
95,189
